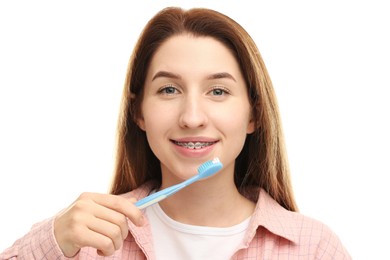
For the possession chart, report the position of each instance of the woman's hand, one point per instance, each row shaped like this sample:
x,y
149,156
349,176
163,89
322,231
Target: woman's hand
x,y
95,220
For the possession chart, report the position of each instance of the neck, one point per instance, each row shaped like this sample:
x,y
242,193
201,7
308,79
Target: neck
x,y
212,202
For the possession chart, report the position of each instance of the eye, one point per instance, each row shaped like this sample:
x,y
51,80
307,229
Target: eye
x,y
219,91
168,90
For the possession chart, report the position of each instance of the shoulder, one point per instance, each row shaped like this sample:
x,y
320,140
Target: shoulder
x,y
299,232
317,237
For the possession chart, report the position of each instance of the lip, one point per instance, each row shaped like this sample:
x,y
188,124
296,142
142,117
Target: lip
x,y
195,139
194,153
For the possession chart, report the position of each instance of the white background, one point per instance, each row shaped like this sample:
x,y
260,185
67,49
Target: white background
x,y
62,68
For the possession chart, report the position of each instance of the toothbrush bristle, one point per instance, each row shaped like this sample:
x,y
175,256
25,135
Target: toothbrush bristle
x,y
209,168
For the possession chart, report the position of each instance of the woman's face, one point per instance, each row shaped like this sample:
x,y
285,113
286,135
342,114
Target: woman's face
x,y
195,106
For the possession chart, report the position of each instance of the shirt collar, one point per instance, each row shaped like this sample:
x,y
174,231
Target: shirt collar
x,y
268,214
142,235
273,217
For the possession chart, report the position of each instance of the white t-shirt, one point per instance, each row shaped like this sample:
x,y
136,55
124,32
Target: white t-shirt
x,y
174,240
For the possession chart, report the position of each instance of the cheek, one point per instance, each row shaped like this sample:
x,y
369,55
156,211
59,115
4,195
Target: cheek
x,y
155,118
235,117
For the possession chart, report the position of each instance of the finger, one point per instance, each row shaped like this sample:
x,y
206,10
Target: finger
x,y
111,216
119,204
107,229
96,240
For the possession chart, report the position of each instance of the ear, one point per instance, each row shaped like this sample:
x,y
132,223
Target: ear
x,y
251,127
141,123
139,118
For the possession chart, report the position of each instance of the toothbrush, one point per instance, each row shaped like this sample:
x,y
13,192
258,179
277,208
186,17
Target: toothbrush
x,y
204,170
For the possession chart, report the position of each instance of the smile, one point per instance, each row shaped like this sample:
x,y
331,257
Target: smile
x,y
194,145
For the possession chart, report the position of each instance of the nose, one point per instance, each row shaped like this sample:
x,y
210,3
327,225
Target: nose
x,y
193,113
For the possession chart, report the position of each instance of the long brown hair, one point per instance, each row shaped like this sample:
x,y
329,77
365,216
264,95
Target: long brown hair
x,y
262,162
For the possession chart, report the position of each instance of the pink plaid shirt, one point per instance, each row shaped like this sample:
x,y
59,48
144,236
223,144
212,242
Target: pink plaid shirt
x,y
273,233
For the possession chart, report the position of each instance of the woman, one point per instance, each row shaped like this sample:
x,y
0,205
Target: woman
x,y
196,88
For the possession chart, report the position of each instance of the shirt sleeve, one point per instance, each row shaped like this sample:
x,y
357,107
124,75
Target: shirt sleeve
x,y
39,243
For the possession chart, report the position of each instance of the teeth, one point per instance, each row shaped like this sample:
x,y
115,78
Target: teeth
x,y
197,145
192,145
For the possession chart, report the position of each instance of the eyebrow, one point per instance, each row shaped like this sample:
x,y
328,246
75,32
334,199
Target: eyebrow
x,y
167,74
221,75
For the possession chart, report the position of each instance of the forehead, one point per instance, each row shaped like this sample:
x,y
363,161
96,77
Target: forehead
x,y
193,55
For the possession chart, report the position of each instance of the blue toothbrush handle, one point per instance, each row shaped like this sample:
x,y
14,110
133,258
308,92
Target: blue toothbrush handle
x,y
158,196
